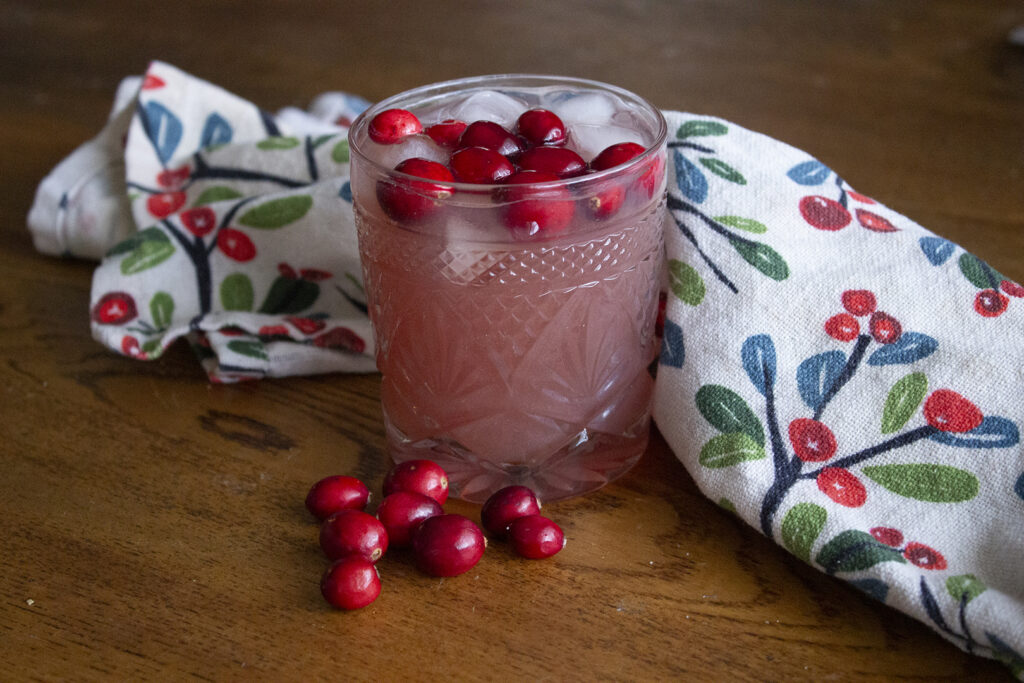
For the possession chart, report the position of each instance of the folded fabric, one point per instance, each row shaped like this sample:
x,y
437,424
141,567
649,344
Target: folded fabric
x,y
832,373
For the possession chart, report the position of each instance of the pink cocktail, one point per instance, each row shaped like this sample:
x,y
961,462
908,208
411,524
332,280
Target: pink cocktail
x,y
514,320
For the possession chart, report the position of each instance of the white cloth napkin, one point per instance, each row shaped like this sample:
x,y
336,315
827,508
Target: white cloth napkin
x,y
833,373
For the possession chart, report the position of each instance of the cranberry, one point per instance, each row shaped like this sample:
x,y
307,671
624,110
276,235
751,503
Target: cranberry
x,y
164,204
606,203
536,210
863,199
314,275
812,440
950,412
924,557
402,512
448,545
413,200
991,303
353,532
287,271
307,325
824,213
480,165
541,127
151,82
505,505
535,537
1012,288
236,245
842,326
173,179
559,161
616,154
350,583
492,136
391,125
340,338
859,301
872,221
130,347
273,331
446,133
199,221
887,535
885,328
418,476
842,486
339,492
114,308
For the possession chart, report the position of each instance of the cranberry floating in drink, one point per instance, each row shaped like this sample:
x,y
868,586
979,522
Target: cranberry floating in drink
x,y
512,265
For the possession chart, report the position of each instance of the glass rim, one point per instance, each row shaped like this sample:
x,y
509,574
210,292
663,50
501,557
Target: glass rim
x,y
443,87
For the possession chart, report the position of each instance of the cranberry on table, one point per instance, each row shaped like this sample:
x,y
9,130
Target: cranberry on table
x,y
391,125
541,127
492,136
353,533
402,512
535,537
448,545
536,211
506,505
350,583
560,161
480,165
418,476
446,133
339,492
414,200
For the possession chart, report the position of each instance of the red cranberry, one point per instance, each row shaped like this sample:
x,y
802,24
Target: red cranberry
x,y
536,537
448,545
812,440
413,200
863,199
541,127
872,221
492,136
114,308
446,133
536,211
353,532
505,505
1012,288
842,326
350,583
859,301
130,347
174,179
924,557
606,203
991,303
339,492
164,204
616,154
307,325
885,328
887,535
402,512
391,125
418,476
950,412
273,331
236,245
314,275
842,486
824,213
199,221
340,338
559,161
480,165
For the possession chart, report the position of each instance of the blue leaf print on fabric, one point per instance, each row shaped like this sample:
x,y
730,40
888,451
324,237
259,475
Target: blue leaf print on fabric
x,y
691,180
673,352
758,354
911,346
811,172
816,374
216,131
163,129
936,249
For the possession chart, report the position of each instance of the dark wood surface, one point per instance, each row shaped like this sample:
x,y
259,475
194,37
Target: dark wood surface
x,y
151,525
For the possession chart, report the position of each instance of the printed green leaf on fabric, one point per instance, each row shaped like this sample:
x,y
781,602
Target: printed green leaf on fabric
x,y
217,193
965,587
801,527
927,482
903,400
723,170
247,347
692,129
151,234
762,257
161,308
727,505
854,550
151,348
236,293
340,153
685,282
979,273
278,143
277,213
290,295
745,224
728,412
147,255
726,450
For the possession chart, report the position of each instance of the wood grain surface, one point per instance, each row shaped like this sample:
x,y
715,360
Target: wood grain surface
x,y
151,524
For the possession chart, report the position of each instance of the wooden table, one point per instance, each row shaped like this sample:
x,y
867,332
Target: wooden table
x,y
151,525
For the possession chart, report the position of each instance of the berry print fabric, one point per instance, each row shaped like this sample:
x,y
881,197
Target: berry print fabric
x,y
832,373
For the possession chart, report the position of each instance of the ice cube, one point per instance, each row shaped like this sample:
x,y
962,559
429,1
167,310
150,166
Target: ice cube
x,y
419,145
467,253
487,105
587,108
590,141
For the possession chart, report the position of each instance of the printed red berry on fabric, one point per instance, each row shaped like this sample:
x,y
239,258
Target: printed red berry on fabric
x,y
859,302
887,535
812,440
948,411
842,486
924,556
843,327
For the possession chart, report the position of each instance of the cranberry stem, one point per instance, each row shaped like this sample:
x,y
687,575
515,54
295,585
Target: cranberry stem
x,y
204,170
676,204
969,644
851,366
842,192
707,259
786,470
691,145
898,441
